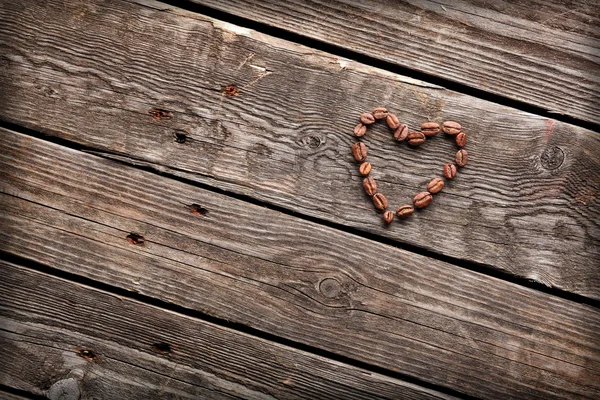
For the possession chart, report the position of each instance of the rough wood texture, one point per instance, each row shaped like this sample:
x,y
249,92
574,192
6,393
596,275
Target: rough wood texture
x,y
527,203
545,53
59,335
292,278
11,396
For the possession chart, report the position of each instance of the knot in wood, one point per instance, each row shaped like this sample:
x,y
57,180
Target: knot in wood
x,y
330,288
552,157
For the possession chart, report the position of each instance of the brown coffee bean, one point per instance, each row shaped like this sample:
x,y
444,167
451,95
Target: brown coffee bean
x,y
430,128
380,202
401,133
370,186
462,157
360,130
422,199
359,151
435,186
392,121
365,168
461,139
367,118
451,127
388,217
405,210
416,138
380,113
449,170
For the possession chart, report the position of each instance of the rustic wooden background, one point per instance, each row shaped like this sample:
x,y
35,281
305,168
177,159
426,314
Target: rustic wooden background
x,y
162,238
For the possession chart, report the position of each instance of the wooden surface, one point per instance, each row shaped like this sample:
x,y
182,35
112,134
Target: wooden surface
x,y
526,204
544,53
292,278
98,345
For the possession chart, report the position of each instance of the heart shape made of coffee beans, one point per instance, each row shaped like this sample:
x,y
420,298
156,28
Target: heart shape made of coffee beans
x,y
413,138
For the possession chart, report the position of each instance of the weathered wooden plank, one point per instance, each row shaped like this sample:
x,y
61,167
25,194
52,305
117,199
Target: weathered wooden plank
x,y
11,396
526,204
292,278
60,335
545,53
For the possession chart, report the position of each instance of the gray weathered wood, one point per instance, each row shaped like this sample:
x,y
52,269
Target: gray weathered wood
x,y
292,278
526,204
47,322
11,396
545,53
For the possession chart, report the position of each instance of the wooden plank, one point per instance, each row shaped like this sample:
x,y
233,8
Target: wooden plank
x,y
544,53
292,278
526,204
4,395
62,336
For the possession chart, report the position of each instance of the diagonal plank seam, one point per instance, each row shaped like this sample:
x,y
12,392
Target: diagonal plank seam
x,y
481,268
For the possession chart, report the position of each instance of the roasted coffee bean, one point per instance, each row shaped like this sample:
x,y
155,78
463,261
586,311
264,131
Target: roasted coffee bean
x,y
422,199
365,168
451,127
461,139
405,210
380,113
359,151
392,121
370,186
367,118
401,133
435,186
462,157
388,217
380,202
449,170
360,130
416,138
430,128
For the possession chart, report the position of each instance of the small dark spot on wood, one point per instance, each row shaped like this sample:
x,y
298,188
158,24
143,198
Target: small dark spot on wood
x,y
180,137
198,209
330,288
552,157
313,141
135,239
231,91
89,355
159,113
162,348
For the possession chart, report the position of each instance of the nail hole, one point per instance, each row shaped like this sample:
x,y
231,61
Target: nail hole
x,y
159,113
198,209
180,137
135,239
231,91
162,347
89,355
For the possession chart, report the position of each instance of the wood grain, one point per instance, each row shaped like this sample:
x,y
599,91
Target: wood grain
x,y
60,335
299,280
526,204
544,53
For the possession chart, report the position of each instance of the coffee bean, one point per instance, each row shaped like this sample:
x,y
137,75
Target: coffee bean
x,y
449,170
359,151
461,139
392,121
380,113
401,133
367,118
422,199
462,157
435,186
365,168
380,202
430,128
360,130
416,138
405,210
451,127
370,186
388,217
